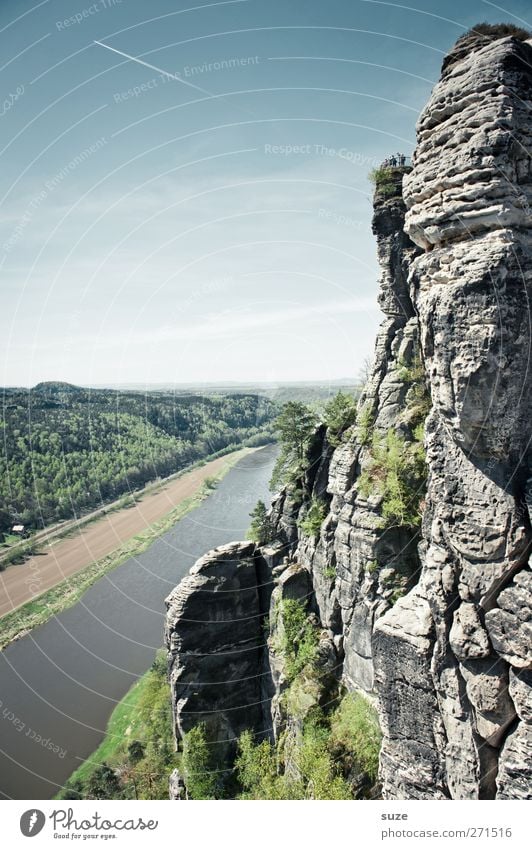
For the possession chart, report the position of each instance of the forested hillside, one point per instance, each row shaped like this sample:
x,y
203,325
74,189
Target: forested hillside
x,y
66,450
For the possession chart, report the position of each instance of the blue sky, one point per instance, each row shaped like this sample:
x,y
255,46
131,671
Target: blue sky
x,y
212,222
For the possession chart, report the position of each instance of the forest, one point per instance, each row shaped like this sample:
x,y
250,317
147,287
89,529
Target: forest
x,y
67,450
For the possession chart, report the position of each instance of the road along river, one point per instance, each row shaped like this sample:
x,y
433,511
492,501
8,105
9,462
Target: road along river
x,y
60,683
99,538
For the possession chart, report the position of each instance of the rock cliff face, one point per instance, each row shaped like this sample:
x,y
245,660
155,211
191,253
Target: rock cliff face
x,y
418,579
216,642
466,628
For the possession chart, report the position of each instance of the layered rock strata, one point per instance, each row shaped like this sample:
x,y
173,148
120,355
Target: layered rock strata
x,y
433,622
446,653
217,646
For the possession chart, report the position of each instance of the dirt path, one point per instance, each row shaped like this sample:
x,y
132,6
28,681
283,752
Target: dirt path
x,y
20,583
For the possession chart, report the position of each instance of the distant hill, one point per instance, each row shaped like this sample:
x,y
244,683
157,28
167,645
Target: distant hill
x,y
306,391
55,387
68,449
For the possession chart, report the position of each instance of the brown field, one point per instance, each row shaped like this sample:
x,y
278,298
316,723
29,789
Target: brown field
x,y
102,536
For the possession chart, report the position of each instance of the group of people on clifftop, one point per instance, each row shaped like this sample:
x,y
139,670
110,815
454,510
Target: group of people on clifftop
x,y
396,160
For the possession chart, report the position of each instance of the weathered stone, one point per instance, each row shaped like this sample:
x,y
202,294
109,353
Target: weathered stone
x,y
294,583
216,644
520,689
514,779
468,637
455,288
487,690
403,643
510,624
177,790
467,206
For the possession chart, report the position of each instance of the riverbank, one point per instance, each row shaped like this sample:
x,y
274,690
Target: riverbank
x,y
65,678
138,745
18,551
48,583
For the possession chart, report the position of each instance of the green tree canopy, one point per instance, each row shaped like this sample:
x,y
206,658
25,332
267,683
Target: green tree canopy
x,y
199,767
340,413
295,426
260,530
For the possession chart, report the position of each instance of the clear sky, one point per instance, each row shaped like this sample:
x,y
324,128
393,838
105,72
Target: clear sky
x,y
214,224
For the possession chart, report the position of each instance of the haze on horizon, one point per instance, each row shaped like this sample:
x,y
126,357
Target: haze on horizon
x,y
212,225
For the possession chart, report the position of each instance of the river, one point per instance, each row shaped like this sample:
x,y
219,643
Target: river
x,y
60,683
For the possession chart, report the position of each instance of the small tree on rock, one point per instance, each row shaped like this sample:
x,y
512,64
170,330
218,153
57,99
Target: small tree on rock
x,y
261,529
295,426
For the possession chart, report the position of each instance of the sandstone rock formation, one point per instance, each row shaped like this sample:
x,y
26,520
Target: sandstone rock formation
x,y
216,645
431,619
468,622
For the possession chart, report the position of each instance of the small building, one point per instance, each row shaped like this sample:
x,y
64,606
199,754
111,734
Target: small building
x,y
18,529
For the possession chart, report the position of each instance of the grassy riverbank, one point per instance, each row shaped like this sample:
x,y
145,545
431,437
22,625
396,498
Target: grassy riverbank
x,y
136,756
68,592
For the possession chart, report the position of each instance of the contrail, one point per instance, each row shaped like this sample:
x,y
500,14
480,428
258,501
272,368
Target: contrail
x,y
154,68
171,76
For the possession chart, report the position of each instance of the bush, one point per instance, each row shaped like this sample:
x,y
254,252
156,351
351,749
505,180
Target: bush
x,y
418,402
385,185
397,472
18,554
314,773
412,371
366,421
320,771
340,414
355,731
136,751
73,789
492,32
199,767
256,769
297,639
314,517
103,783
478,37
329,571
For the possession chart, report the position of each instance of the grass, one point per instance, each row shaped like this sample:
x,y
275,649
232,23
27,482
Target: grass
x,y
37,611
297,639
314,518
365,422
333,756
397,473
385,181
123,721
9,540
141,721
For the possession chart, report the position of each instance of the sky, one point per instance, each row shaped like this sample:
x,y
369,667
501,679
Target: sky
x,y
201,212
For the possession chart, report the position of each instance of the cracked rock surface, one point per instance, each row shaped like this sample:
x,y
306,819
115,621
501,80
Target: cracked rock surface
x,y
434,622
